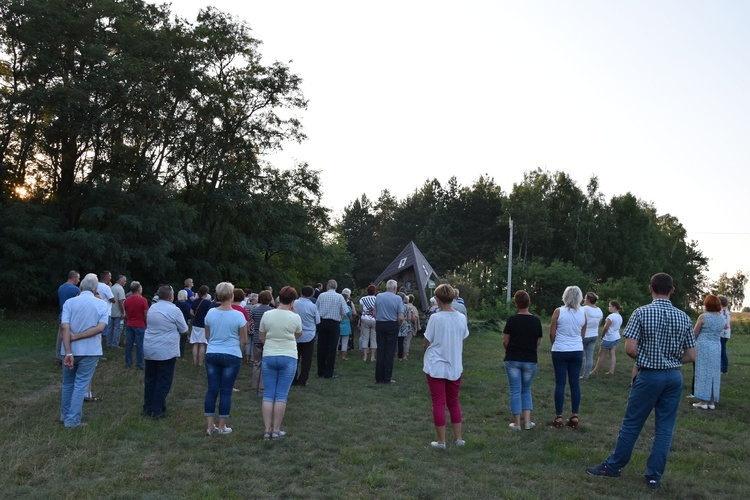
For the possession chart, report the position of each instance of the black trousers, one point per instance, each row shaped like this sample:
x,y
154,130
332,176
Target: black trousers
x,y
386,333
304,355
157,382
328,340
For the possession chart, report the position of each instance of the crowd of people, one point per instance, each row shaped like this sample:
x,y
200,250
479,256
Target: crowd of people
x,y
277,337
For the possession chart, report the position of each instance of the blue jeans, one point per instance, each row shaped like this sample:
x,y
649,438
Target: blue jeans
x,y
659,390
75,383
278,373
567,365
724,358
221,371
157,382
134,334
520,376
114,331
589,343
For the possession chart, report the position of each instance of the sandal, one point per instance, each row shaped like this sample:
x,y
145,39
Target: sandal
x,y
572,421
558,422
267,436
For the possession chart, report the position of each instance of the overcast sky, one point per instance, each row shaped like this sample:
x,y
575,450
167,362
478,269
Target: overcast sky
x,y
651,96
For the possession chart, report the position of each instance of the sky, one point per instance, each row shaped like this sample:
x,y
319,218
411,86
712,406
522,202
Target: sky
x,y
648,95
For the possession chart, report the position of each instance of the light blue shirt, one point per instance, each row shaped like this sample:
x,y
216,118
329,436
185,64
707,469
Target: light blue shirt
x,y
81,313
310,316
224,332
388,306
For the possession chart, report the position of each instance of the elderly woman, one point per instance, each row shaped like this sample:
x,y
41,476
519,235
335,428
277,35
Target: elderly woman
x,y
708,330
367,339
279,330
444,343
415,326
566,332
521,338
161,347
345,330
226,332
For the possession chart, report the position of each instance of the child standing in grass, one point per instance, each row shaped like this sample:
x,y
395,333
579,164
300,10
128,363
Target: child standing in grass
x,y
610,338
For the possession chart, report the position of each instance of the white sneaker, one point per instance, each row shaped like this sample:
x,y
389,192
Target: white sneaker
x,y
529,426
439,446
460,442
514,427
691,397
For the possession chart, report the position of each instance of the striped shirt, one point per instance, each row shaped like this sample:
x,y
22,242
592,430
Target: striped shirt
x,y
663,333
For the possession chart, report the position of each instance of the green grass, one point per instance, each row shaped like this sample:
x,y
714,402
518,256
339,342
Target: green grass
x,y
348,437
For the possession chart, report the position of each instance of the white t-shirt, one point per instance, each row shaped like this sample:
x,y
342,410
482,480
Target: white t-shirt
x,y
613,333
568,334
105,292
445,332
280,326
594,316
727,332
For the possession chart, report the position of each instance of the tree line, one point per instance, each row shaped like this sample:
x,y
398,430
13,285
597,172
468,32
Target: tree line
x,y
134,140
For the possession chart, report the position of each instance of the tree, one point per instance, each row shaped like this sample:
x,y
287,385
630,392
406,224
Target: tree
x,y
732,287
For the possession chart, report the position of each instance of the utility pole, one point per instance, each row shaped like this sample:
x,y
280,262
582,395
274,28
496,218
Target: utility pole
x,y
510,254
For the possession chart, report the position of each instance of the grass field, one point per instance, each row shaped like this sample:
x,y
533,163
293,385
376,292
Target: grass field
x,y
349,438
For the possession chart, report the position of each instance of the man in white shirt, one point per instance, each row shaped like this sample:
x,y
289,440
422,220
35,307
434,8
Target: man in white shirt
x,y
83,320
117,315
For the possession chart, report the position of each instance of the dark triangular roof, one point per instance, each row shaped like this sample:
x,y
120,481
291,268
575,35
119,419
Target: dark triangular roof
x,y
411,258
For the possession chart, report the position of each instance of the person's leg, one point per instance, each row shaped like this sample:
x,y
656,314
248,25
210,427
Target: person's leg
x,y
724,357
85,366
201,353
574,368
599,361
665,415
129,341
369,324
149,387
646,390
257,381
287,366
266,410
528,371
589,343
437,394
109,332
612,360
380,331
513,371
344,346
307,356
560,367
400,348
195,354
407,345
68,384
139,334
164,377
322,348
183,341
391,340
58,343
452,388
227,376
334,329
213,378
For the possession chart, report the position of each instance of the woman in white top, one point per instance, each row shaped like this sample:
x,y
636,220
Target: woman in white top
x,y
566,332
444,341
593,318
279,330
610,338
367,341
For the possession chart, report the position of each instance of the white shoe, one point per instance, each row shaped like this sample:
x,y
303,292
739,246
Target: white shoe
x,y
514,427
691,397
704,406
529,426
436,445
226,430
460,442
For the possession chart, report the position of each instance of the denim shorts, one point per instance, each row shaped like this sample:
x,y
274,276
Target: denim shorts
x,y
610,344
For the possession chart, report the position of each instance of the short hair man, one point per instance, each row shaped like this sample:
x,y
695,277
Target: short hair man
x,y
308,313
83,320
66,291
332,309
660,339
117,314
389,314
458,303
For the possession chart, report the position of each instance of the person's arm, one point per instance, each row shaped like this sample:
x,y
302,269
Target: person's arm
x,y
607,324
89,332
262,335
207,330
243,337
65,332
688,356
631,347
400,319
506,340
699,325
121,303
583,329
553,326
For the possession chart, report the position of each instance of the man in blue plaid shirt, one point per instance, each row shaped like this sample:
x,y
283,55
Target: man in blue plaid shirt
x,y
660,339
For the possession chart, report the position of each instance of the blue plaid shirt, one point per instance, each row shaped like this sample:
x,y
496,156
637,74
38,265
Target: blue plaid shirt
x,y
663,332
331,305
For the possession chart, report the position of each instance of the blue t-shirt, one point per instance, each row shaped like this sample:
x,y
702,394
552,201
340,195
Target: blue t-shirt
x,y
185,308
224,336
65,292
388,306
201,307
